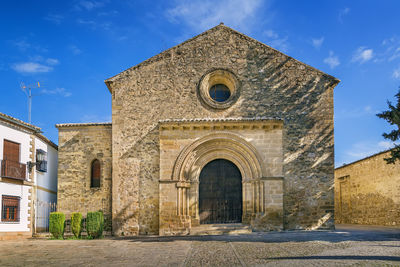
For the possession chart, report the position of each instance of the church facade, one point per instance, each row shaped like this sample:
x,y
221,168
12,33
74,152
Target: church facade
x,y
218,129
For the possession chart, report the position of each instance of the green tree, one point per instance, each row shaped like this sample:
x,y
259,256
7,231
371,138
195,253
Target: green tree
x,y
392,116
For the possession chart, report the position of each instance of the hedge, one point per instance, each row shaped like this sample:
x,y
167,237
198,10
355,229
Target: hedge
x,y
57,224
76,224
95,224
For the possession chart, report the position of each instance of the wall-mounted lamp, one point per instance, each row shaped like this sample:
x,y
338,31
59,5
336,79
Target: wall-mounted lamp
x,y
41,161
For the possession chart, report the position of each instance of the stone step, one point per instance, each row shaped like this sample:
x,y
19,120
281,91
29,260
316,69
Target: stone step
x,y
221,229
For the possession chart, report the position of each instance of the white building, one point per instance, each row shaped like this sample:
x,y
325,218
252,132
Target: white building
x,y
28,177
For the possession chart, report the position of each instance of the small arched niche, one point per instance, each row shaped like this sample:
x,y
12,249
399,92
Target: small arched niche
x,y
95,174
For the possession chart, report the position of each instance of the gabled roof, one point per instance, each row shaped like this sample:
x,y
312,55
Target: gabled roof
x,y
20,123
220,26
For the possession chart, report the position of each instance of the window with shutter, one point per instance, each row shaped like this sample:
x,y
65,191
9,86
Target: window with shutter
x,y
95,174
11,151
10,209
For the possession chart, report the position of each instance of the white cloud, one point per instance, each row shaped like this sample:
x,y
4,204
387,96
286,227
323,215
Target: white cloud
x,y
201,15
271,34
74,49
362,55
355,113
31,67
396,54
332,60
343,12
392,46
276,41
55,18
86,22
362,150
57,91
52,61
317,42
108,13
396,73
22,44
89,5
95,118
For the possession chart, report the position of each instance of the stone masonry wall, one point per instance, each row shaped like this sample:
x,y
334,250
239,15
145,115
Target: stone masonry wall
x,y
79,145
272,85
368,192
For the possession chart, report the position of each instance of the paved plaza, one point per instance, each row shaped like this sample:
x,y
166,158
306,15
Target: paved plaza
x,y
347,246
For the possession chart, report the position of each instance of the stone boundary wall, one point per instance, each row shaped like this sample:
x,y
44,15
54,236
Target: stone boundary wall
x,y
368,192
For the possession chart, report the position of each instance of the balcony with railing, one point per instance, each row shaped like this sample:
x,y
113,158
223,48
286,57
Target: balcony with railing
x,y
13,170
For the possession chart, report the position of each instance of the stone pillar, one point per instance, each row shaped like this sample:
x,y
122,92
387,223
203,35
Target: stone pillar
x,y
268,204
175,216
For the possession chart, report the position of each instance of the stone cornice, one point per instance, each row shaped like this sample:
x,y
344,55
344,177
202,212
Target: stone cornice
x,y
222,124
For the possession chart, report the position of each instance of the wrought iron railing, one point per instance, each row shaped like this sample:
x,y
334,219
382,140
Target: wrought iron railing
x,y
42,214
13,169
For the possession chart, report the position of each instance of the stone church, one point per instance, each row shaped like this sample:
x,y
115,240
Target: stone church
x,y
218,129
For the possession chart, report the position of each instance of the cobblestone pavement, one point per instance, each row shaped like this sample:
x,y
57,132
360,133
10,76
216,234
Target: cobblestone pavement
x,y
347,246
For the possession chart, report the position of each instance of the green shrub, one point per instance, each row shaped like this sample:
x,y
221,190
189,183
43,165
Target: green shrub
x,y
76,224
57,224
95,224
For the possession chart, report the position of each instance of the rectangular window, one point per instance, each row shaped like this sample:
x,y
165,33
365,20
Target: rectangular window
x,y
11,151
41,160
10,209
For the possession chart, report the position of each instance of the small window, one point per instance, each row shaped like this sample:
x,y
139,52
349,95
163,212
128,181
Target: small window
x,y
220,92
10,209
41,160
95,174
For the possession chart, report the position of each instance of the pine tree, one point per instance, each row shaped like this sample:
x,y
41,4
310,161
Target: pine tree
x,y
392,116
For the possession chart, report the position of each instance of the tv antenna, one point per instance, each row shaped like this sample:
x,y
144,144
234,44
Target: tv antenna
x,y
28,91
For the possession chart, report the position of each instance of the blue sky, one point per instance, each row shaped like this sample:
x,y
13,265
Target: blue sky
x,y
71,47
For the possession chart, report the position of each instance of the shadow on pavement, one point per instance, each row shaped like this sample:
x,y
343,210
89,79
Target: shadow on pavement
x,y
279,237
371,258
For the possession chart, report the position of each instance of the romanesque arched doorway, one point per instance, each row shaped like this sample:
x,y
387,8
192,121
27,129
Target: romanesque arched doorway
x,y
220,193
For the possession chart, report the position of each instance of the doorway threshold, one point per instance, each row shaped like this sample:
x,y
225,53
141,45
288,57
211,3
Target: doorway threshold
x,y
221,229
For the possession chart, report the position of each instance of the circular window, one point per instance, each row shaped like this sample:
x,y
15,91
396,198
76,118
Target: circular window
x,y
219,89
220,92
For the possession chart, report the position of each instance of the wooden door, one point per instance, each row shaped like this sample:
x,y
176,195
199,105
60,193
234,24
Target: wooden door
x,y
220,193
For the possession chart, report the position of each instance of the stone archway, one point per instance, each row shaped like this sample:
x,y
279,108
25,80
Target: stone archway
x,y
254,146
225,146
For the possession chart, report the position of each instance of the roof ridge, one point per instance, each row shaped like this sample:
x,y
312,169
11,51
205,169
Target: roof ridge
x,y
82,124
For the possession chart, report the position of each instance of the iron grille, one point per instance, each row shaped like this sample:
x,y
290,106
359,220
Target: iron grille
x,y
10,208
